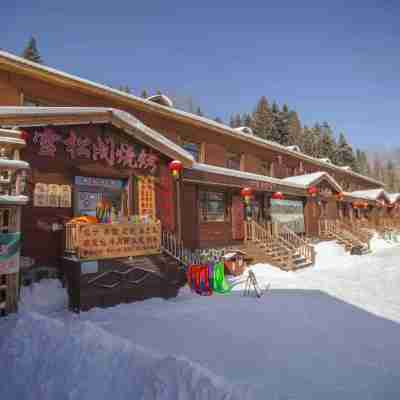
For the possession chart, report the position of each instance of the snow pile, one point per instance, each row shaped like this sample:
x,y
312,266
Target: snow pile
x,y
45,296
48,359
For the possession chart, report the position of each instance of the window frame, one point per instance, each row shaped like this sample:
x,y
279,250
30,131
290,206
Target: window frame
x,y
204,211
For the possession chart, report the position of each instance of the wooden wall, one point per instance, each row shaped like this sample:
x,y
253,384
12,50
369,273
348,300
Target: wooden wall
x,y
39,241
14,87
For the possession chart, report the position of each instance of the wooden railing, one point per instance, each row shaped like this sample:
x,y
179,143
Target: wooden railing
x,y
356,231
174,247
328,226
297,243
257,233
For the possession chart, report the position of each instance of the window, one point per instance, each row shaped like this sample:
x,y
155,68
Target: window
x,y
192,148
233,160
212,206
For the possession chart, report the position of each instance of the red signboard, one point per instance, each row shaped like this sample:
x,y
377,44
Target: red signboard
x,y
104,149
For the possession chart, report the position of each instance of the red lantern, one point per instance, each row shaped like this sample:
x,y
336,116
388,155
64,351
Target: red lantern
x,y
340,196
277,196
175,167
312,191
25,135
355,205
365,205
246,193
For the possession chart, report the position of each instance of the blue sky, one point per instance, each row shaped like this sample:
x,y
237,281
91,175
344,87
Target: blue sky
x,y
337,62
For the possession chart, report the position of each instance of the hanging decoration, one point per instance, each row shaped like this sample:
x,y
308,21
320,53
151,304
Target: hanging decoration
x,y
277,196
175,167
246,193
147,197
340,196
312,191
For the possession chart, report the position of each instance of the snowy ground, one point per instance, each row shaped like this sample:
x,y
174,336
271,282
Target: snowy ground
x,y
331,331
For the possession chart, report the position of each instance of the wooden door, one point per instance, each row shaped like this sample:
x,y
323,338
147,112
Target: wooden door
x,y
237,218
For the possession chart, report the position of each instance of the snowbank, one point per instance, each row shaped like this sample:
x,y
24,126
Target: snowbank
x,y
45,296
47,359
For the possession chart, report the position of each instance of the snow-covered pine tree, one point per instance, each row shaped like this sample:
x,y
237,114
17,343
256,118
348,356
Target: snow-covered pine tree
x,y
144,94
31,51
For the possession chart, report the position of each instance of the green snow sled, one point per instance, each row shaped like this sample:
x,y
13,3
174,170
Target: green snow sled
x,y
220,285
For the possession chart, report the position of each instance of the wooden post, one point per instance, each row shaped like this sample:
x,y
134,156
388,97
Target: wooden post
x,y
178,209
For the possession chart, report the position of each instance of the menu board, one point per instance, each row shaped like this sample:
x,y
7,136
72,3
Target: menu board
x,y
99,241
147,200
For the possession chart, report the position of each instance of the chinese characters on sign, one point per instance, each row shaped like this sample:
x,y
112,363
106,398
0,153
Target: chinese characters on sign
x,y
147,201
104,149
100,241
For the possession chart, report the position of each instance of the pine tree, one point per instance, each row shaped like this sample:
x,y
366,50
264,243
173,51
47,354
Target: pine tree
x,y
328,143
238,121
232,121
295,134
312,140
390,177
247,120
262,119
31,52
277,125
144,94
199,112
344,153
283,125
219,120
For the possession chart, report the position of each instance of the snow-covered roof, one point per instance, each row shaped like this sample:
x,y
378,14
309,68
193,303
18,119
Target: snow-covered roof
x,y
325,160
245,175
13,164
393,197
244,129
372,194
13,200
114,116
161,99
294,148
345,167
312,179
22,63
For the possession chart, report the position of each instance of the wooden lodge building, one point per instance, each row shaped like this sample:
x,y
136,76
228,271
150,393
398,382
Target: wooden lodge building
x,y
88,144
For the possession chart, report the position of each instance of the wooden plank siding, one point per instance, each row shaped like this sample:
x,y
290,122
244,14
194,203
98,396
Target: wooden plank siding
x,y
15,87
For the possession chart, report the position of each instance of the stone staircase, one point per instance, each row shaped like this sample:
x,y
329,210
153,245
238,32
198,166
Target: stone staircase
x,y
278,246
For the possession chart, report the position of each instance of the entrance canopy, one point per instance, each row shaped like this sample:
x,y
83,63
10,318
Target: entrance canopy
x,y
43,116
315,179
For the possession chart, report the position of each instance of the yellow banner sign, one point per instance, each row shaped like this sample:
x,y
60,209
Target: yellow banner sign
x,y
99,241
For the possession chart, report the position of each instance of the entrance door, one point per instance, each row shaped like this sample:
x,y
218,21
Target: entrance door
x,y
237,218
